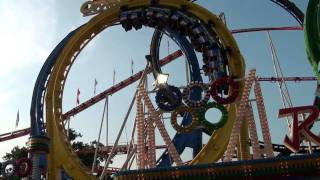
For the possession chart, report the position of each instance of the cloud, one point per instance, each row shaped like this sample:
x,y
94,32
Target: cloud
x,y
26,32
5,98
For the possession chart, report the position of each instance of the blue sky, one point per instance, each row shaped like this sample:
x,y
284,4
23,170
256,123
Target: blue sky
x,y
30,30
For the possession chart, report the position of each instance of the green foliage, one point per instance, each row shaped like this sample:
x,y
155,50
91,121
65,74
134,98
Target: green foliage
x,y
72,134
87,152
86,149
16,153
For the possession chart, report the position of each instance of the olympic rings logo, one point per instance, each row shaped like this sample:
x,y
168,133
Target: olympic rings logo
x,y
198,108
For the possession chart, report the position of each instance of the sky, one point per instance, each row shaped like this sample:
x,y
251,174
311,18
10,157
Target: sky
x,y
29,31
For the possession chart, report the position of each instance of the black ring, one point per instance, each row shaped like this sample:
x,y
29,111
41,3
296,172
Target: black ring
x,y
162,101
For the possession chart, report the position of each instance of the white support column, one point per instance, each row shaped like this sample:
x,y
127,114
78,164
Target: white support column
x,y
35,166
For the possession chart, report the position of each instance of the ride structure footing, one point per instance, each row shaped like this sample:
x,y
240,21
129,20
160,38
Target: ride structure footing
x,y
302,166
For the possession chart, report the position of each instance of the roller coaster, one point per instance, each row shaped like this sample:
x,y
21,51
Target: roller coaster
x,y
233,149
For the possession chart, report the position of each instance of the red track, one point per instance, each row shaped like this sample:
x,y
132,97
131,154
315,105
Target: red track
x,y
296,79
99,97
166,60
121,149
110,170
15,134
118,86
287,28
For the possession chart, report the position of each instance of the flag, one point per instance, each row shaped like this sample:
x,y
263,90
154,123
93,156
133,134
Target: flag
x,y
222,17
114,76
78,96
95,86
17,119
168,45
132,66
17,123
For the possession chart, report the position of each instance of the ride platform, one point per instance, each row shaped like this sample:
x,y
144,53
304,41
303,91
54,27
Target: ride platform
x,y
297,166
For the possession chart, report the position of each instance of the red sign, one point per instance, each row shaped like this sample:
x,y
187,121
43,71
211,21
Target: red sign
x,y
293,143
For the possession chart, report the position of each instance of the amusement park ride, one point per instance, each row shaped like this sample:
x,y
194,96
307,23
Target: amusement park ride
x,y
233,150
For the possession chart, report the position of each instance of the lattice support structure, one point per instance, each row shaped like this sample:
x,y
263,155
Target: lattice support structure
x,y
140,134
235,133
245,111
163,132
263,120
253,133
151,144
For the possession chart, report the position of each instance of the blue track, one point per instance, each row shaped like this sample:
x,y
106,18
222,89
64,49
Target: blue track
x,y
36,111
183,140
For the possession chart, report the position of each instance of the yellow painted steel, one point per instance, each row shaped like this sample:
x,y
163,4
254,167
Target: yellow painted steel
x,y
218,141
61,154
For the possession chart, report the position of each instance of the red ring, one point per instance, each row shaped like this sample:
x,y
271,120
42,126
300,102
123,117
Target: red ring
x,y
232,95
27,171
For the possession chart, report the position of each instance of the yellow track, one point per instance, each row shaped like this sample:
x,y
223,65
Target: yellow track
x,y
61,154
219,140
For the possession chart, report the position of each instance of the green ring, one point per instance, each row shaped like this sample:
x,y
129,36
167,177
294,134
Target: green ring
x,y
213,126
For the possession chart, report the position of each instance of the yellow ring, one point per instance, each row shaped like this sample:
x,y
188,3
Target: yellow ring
x,y
194,123
61,154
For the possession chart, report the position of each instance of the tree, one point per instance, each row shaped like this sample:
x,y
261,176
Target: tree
x,y
16,153
72,135
85,151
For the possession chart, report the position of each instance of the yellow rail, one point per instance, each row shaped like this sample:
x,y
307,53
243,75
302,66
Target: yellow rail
x,y
61,154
